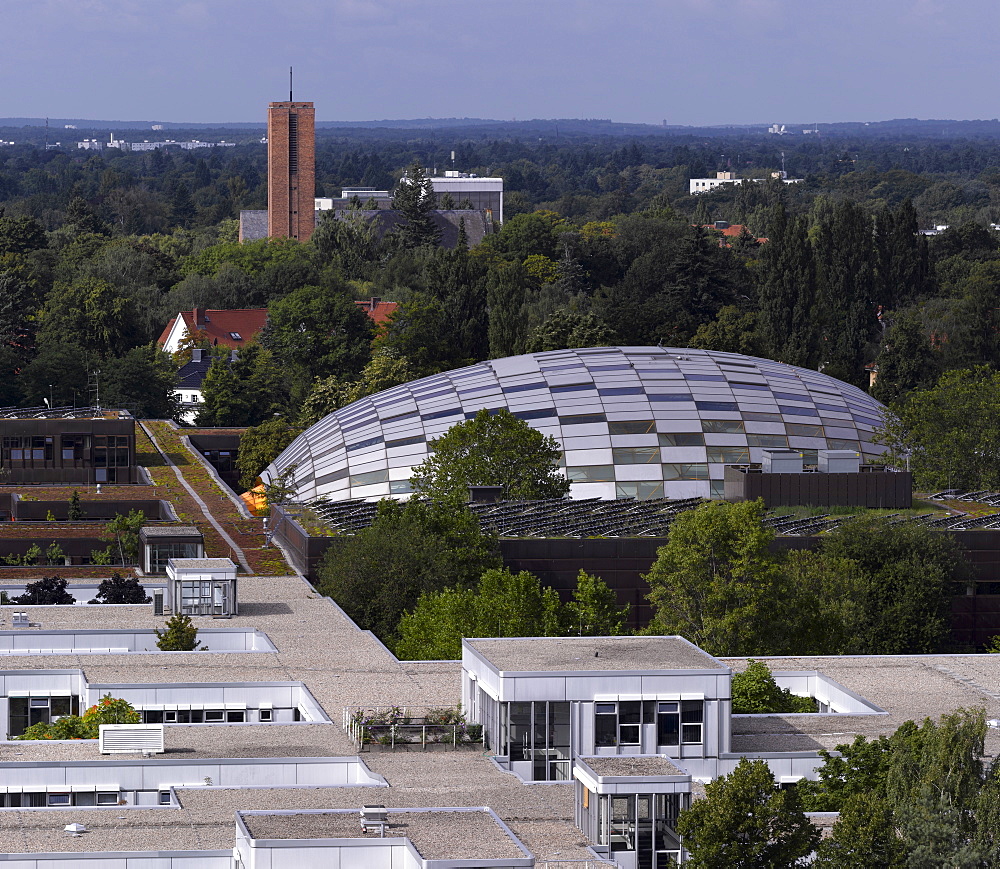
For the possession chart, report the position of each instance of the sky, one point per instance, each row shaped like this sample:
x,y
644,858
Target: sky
x,y
691,62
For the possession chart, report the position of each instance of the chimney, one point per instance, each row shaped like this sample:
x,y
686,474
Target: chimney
x,y
196,354
198,315
375,302
234,355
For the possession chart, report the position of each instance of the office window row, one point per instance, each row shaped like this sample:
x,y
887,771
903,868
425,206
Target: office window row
x,y
678,722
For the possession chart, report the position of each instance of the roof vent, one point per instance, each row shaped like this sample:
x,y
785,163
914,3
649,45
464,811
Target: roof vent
x,y
75,829
128,738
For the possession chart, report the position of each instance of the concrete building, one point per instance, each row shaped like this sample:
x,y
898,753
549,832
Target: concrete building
x,y
291,170
721,179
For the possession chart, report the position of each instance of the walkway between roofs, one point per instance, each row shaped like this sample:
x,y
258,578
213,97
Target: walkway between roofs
x,y
240,556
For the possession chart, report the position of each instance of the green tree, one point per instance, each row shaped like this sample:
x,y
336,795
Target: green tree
x,y
502,604
491,449
142,382
505,295
178,635
262,444
948,435
318,331
349,241
74,512
715,581
846,270
864,837
909,574
123,531
48,591
244,391
108,710
746,822
755,692
385,370
566,329
786,317
380,572
414,199
594,610
121,589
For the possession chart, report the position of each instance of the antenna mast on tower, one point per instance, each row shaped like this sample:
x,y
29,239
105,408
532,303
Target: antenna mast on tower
x,y
290,85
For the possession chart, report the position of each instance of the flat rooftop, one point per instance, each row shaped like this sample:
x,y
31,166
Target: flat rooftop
x,y
438,834
575,654
638,765
170,531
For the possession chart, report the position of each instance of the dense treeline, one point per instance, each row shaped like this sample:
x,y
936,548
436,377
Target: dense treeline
x,y
601,244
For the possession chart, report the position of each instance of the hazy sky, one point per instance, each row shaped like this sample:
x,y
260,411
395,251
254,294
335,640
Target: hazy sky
x,y
683,61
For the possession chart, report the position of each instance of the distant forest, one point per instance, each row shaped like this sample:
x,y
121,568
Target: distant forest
x,y
602,243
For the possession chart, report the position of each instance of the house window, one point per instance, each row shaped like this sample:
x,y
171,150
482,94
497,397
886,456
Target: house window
x,y
680,721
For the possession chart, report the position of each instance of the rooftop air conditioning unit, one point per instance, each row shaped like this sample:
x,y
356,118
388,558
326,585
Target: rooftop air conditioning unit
x,y
129,738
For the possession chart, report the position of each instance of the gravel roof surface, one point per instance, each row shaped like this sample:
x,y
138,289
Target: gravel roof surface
x,y
623,765
344,666
571,654
436,835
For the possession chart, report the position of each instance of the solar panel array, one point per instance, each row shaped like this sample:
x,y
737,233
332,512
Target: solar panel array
x,y
627,517
591,517
633,422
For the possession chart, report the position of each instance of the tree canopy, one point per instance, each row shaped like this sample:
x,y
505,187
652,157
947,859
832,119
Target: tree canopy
x,y
380,572
491,449
746,821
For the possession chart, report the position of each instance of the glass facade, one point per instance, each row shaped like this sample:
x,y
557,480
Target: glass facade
x,y
642,422
538,732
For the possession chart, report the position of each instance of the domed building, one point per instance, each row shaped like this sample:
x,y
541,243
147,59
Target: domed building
x,y
639,422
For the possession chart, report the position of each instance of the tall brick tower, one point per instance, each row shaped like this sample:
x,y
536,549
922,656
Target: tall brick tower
x,y
291,170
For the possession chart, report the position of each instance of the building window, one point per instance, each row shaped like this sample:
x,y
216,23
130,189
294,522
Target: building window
x,y
160,553
266,715
680,721
621,723
23,712
164,798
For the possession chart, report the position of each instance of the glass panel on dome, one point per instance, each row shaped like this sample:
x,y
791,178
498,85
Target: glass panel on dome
x,y
681,439
640,490
631,426
591,474
369,478
685,471
767,440
722,426
805,431
729,455
635,455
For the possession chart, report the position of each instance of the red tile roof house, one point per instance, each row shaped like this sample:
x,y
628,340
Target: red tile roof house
x,y
233,328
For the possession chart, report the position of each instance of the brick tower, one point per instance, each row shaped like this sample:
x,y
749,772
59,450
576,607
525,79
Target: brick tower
x,y
291,170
